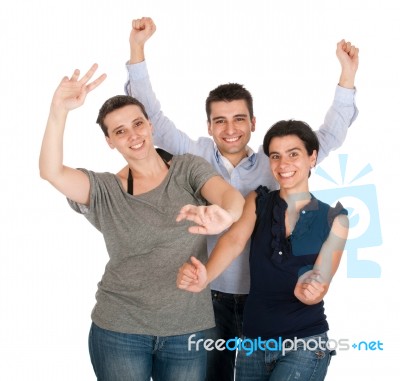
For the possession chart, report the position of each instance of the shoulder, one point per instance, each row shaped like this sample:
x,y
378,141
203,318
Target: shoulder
x,y
331,212
189,159
100,179
263,192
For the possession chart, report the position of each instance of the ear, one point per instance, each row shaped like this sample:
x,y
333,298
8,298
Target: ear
x,y
109,143
313,159
253,124
209,129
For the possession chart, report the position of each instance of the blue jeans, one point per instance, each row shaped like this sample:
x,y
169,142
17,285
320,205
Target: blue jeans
x,y
228,311
129,357
300,365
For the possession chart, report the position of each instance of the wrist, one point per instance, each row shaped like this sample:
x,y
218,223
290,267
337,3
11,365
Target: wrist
x,y
347,80
137,54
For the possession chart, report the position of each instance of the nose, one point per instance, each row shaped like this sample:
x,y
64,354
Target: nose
x,y
283,162
230,128
132,134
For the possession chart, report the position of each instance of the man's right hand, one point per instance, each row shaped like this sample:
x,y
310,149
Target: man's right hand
x,y
142,30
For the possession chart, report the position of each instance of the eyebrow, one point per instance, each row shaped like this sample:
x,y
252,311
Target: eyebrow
x,y
235,116
122,125
288,151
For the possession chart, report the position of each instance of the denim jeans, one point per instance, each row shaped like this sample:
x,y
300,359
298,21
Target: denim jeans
x,y
129,357
303,364
228,311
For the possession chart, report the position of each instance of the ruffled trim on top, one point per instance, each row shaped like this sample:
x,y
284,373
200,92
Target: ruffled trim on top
x,y
281,248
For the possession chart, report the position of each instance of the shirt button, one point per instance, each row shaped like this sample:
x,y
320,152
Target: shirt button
x,y
280,253
303,212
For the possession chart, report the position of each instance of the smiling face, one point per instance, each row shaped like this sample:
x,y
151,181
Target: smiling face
x,y
290,163
129,132
230,126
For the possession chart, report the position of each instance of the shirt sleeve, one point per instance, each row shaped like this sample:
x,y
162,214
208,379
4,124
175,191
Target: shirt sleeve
x,y
166,134
338,119
89,211
200,171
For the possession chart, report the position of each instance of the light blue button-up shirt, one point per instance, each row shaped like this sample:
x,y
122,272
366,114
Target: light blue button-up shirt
x,y
251,172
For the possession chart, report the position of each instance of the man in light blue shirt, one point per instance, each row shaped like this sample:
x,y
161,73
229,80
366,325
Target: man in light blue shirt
x,y
231,120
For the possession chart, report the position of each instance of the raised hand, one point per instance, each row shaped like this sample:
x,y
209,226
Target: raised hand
x,y
142,30
347,55
192,277
210,219
71,92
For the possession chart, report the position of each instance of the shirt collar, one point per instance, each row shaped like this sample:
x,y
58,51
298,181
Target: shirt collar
x,y
251,158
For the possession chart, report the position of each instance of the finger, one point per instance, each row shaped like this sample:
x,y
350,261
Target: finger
x,y
198,230
89,74
308,295
187,281
92,85
188,275
75,75
353,52
184,211
136,24
356,53
192,213
195,261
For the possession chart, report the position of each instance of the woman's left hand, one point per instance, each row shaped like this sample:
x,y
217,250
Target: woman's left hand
x,y
310,288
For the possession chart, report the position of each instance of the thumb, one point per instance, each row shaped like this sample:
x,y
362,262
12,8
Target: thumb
x,y
196,263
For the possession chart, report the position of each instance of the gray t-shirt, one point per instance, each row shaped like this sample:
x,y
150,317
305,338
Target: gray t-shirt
x,y
138,292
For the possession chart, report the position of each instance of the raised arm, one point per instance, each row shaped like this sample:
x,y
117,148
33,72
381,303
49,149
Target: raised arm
x,y
70,94
195,277
166,135
314,284
343,111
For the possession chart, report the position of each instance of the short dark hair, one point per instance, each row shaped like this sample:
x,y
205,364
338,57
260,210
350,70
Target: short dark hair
x,y
227,93
292,127
114,103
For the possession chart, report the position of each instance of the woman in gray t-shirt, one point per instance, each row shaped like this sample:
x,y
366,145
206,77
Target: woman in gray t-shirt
x,y
141,323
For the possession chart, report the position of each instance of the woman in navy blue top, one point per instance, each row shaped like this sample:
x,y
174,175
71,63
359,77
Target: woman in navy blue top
x,y
296,246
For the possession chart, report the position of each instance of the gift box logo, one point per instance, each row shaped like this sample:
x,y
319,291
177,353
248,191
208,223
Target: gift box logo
x,y
362,204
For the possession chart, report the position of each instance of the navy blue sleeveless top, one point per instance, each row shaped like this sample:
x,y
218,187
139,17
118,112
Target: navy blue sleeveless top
x,y
276,262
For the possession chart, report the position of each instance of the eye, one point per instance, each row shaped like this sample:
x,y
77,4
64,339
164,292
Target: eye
x,y
294,154
219,121
119,132
139,123
274,157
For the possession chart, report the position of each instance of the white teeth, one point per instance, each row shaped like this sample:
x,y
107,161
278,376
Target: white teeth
x,y
230,140
137,146
287,174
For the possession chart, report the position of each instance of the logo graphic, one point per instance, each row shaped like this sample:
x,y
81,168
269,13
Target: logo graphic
x,y
362,204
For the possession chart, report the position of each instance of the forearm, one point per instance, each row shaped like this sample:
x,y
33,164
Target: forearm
x,y
233,202
51,154
137,53
338,119
347,79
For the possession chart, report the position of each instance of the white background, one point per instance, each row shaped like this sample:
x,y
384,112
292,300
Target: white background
x,y
282,51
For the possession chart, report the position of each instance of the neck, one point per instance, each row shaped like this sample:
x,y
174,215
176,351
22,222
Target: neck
x,y
235,158
149,166
295,200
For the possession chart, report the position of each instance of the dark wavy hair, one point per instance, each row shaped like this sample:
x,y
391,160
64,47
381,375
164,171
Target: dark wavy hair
x,y
114,103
